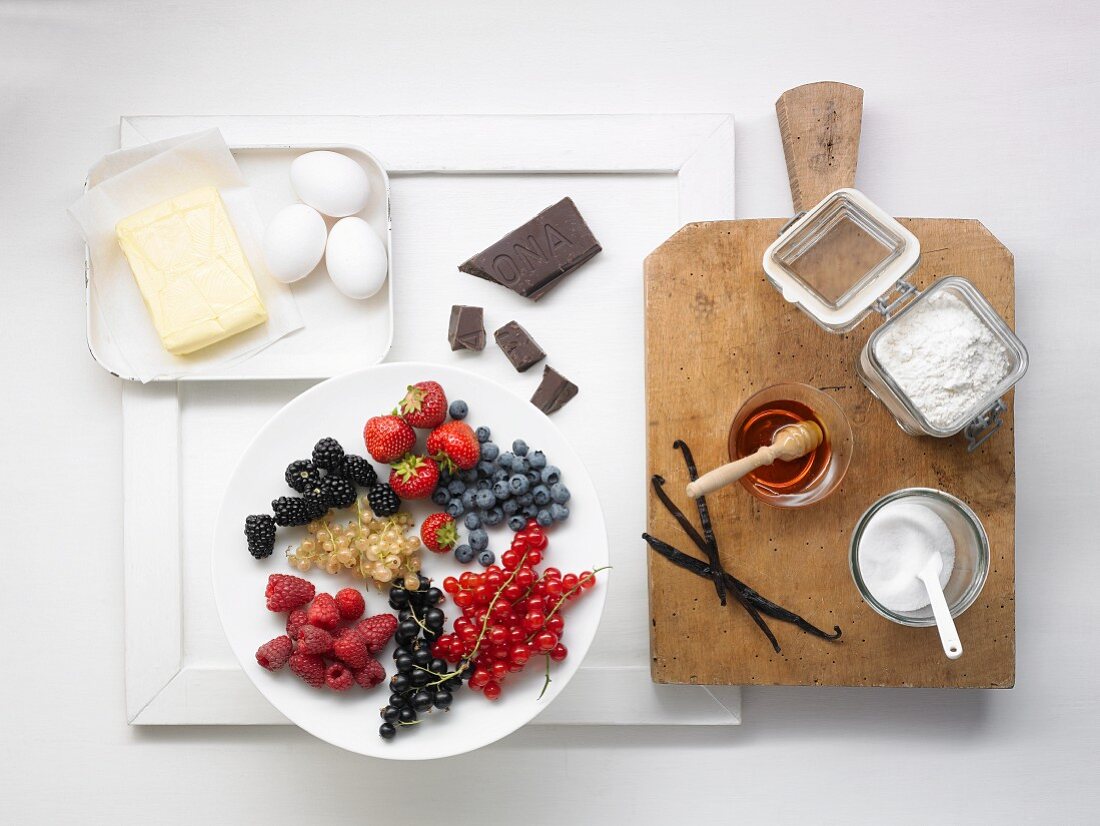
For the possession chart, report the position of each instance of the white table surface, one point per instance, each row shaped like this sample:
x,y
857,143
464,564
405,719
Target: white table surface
x,y
986,110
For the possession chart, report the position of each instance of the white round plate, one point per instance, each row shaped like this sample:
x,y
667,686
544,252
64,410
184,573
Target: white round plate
x,y
339,407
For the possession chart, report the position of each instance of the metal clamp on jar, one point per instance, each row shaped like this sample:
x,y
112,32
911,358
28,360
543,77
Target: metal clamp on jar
x,y
845,257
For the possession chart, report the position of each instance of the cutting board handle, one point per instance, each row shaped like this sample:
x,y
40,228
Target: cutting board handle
x,y
820,125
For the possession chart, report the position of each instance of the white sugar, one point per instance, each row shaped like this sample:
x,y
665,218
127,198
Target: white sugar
x,y
943,357
896,544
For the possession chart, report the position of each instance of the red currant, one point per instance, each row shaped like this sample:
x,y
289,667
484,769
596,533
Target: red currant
x,y
464,599
491,690
533,621
450,585
536,537
534,557
509,559
512,592
554,587
551,573
558,653
556,624
569,581
588,579
520,654
480,678
498,670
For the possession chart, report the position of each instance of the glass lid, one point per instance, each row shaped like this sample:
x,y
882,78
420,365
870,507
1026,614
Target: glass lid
x,y
839,258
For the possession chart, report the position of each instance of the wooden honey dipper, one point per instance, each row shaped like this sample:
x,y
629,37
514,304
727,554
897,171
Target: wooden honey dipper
x,y
790,442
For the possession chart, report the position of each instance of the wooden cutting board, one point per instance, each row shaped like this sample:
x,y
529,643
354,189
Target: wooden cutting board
x,y
717,332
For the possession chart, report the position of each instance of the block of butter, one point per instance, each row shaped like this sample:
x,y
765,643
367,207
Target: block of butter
x,y
191,271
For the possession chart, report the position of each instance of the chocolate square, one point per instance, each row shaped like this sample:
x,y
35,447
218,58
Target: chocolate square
x,y
532,259
518,346
554,391
467,328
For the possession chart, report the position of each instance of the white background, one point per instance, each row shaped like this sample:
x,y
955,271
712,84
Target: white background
x,y
986,110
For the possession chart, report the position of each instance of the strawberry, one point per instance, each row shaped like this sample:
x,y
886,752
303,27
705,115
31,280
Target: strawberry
x,y
323,613
371,674
310,667
439,532
313,640
425,405
350,604
455,444
376,631
414,477
388,437
274,654
285,592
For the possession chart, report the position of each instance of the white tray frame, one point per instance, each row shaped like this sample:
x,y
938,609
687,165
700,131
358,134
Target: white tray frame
x,y
161,688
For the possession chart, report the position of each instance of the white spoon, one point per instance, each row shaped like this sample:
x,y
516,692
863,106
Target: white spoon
x,y
949,636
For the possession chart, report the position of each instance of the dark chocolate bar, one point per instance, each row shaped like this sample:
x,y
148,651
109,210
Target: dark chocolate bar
x,y
467,328
533,259
554,391
518,346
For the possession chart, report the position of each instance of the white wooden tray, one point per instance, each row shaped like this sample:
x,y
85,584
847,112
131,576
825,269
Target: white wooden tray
x,y
457,184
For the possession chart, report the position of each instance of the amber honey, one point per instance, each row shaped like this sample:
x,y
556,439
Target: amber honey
x,y
759,428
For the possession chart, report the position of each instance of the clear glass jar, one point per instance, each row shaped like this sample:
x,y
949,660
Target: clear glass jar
x,y
984,416
845,258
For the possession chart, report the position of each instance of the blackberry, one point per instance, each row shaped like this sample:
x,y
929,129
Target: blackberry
x,y
358,470
328,454
259,529
383,501
338,492
292,510
301,474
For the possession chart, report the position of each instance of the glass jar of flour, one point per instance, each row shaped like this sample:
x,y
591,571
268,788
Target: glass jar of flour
x,y
942,363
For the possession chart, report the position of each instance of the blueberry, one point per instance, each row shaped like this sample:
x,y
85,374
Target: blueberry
x,y
500,475
505,459
526,499
544,518
559,513
501,490
551,475
520,465
459,409
456,508
440,496
455,487
464,553
472,521
516,522
518,484
468,499
489,451
510,507
483,434
485,499
537,460
533,477
519,447
471,475
559,493
494,517
485,469
479,540
531,511
484,484
542,495
486,558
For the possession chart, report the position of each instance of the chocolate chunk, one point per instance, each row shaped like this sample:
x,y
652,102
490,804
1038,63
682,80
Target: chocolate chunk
x,y
533,259
518,345
554,391
467,328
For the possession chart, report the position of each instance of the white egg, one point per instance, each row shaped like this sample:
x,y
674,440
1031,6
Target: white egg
x,y
331,183
294,242
355,258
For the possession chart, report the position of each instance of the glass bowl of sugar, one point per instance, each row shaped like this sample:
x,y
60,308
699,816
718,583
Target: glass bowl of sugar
x,y
895,537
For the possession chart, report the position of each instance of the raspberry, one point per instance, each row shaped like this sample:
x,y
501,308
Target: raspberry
x,y
274,654
313,640
343,631
350,603
338,677
351,649
295,620
371,674
323,612
286,592
310,667
376,631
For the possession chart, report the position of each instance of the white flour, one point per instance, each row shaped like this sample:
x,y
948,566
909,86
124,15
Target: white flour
x,y
944,357
895,546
